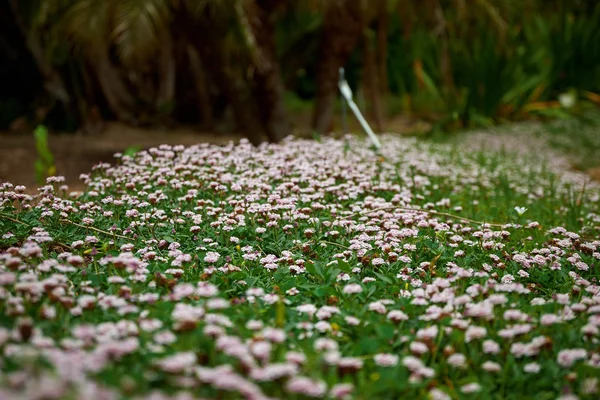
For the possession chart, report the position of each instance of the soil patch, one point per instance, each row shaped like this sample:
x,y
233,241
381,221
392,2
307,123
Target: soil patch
x,y
76,154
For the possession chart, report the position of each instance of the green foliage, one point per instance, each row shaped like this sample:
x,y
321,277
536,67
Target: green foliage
x,y
460,63
138,27
578,138
497,68
128,262
131,151
44,165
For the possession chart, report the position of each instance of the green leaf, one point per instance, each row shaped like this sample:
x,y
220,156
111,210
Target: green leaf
x,y
315,269
344,266
132,150
384,278
384,332
367,346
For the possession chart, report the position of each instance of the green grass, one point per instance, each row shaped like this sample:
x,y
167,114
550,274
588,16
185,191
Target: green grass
x,y
319,260
578,138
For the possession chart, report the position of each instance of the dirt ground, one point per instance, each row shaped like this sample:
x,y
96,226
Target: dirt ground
x,y
75,154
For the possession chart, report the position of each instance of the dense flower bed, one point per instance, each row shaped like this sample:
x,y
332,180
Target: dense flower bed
x,y
302,270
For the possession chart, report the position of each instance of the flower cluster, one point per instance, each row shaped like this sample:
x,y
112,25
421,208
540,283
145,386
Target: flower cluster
x,y
302,270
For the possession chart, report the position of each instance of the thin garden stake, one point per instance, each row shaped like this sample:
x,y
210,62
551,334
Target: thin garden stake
x,y
347,94
344,109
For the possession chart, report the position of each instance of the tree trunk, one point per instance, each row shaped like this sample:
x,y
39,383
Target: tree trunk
x,y
119,100
90,118
343,25
445,62
371,82
204,35
167,72
383,24
270,90
53,82
202,93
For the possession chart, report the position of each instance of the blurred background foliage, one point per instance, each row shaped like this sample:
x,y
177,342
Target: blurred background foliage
x,y
257,66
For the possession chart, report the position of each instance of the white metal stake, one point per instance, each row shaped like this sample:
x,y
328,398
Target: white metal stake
x,y
344,113
347,94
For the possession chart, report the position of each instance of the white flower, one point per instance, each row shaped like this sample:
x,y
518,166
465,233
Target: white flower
x,y
458,360
567,100
352,288
520,210
491,366
437,394
532,368
385,359
470,388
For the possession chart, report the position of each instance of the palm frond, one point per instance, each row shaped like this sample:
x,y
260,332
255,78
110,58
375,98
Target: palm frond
x,y
52,11
138,25
86,23
213,9
28,11
494,15
243,8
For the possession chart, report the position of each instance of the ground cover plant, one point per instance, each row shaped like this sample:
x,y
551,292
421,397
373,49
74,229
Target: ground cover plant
x,y
306,269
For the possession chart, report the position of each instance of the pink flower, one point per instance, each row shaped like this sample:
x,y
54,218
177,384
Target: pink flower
x,y
327,312
589,386
205,289
470,388
352,288
480,310
306,386
590,330
491,366
261,350
341,390
274,335
292,292
295,357
254,325
309,309
417,367
386,359
217,304
437,394
566,358
562,298
429,333
491,347
457,360
475,332
350,363
325,344
532,368
165,337
549,319
30,249
323,326
273,372
211,257
397,316
213,330
75,260
378,307
418,348
378,261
